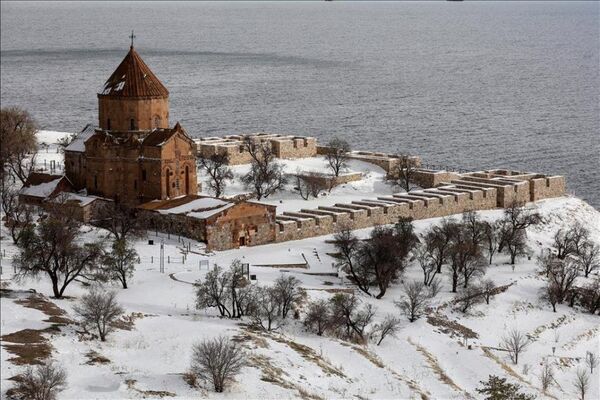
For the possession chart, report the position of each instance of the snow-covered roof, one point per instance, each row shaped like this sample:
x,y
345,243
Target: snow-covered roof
x,y
201,208
83,200
42,190
78,144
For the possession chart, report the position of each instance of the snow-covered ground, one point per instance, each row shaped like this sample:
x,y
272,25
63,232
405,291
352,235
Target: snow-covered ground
x,y
422,360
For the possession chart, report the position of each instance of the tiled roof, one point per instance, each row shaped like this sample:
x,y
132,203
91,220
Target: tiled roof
x,y
133,78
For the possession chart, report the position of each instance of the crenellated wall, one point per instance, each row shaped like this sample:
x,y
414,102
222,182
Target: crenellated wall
x,y
283,146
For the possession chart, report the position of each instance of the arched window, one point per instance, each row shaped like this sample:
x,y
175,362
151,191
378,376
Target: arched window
x,y
157,121
168,182
132,124
187,180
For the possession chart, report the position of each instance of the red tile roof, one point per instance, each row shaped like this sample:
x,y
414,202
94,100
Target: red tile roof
x,y
133,78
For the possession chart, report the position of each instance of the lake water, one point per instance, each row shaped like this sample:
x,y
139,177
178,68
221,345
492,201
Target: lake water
x,y
471,85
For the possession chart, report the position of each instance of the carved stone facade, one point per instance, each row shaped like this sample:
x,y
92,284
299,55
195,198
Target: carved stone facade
x,y
134,156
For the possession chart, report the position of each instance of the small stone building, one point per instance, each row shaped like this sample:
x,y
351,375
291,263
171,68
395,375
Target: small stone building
x,y
221,224
40,187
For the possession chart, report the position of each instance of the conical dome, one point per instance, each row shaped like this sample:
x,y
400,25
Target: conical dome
x,y
133,78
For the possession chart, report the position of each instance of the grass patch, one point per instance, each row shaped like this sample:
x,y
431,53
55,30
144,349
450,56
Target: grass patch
x,y
152,394
41,303
95,358
310,355
451,328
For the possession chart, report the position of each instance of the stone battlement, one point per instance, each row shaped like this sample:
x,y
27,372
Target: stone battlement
x,y
483,190
283,146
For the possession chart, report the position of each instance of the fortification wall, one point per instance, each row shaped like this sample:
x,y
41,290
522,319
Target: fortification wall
x,y
429,178
283,146
421,204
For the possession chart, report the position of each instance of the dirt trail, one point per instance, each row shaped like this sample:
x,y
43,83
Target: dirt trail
x,y
435,366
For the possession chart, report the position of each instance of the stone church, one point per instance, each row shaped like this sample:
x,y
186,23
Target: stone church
x,y
134,156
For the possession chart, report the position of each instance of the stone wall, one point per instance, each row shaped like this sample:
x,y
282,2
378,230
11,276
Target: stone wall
x,y
383,160
283,146
420,204
146,113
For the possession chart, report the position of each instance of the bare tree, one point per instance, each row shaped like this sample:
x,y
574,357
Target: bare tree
x,y
487,289
288,292
266,176
588,258
53,249
466,259
513,227
318,316
18,143
217,168
212,292
564,243
19,217
42,382
266,313
546,377
119,264
348,248
414,301
590,295
310,184
384,256
551,293
99,309
348,319
402,173
438,241
582,383
426,262
217,361
388,327
121,221
591,360
336,154
469,297
561,274
491,238
515,343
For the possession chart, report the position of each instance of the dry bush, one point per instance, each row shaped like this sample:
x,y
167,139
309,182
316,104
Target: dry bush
x,y
99,309
42,382
217,361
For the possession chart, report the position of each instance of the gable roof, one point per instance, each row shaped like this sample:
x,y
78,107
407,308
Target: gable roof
x,y
199,207
133,78
37,178
43,185
78,144
159,136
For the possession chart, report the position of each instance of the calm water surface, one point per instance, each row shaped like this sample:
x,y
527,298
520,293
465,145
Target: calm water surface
x,y
471,84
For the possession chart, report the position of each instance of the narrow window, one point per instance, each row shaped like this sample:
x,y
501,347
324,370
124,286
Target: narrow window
x,y
95,181
132,124
135,184
144,175
108,124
